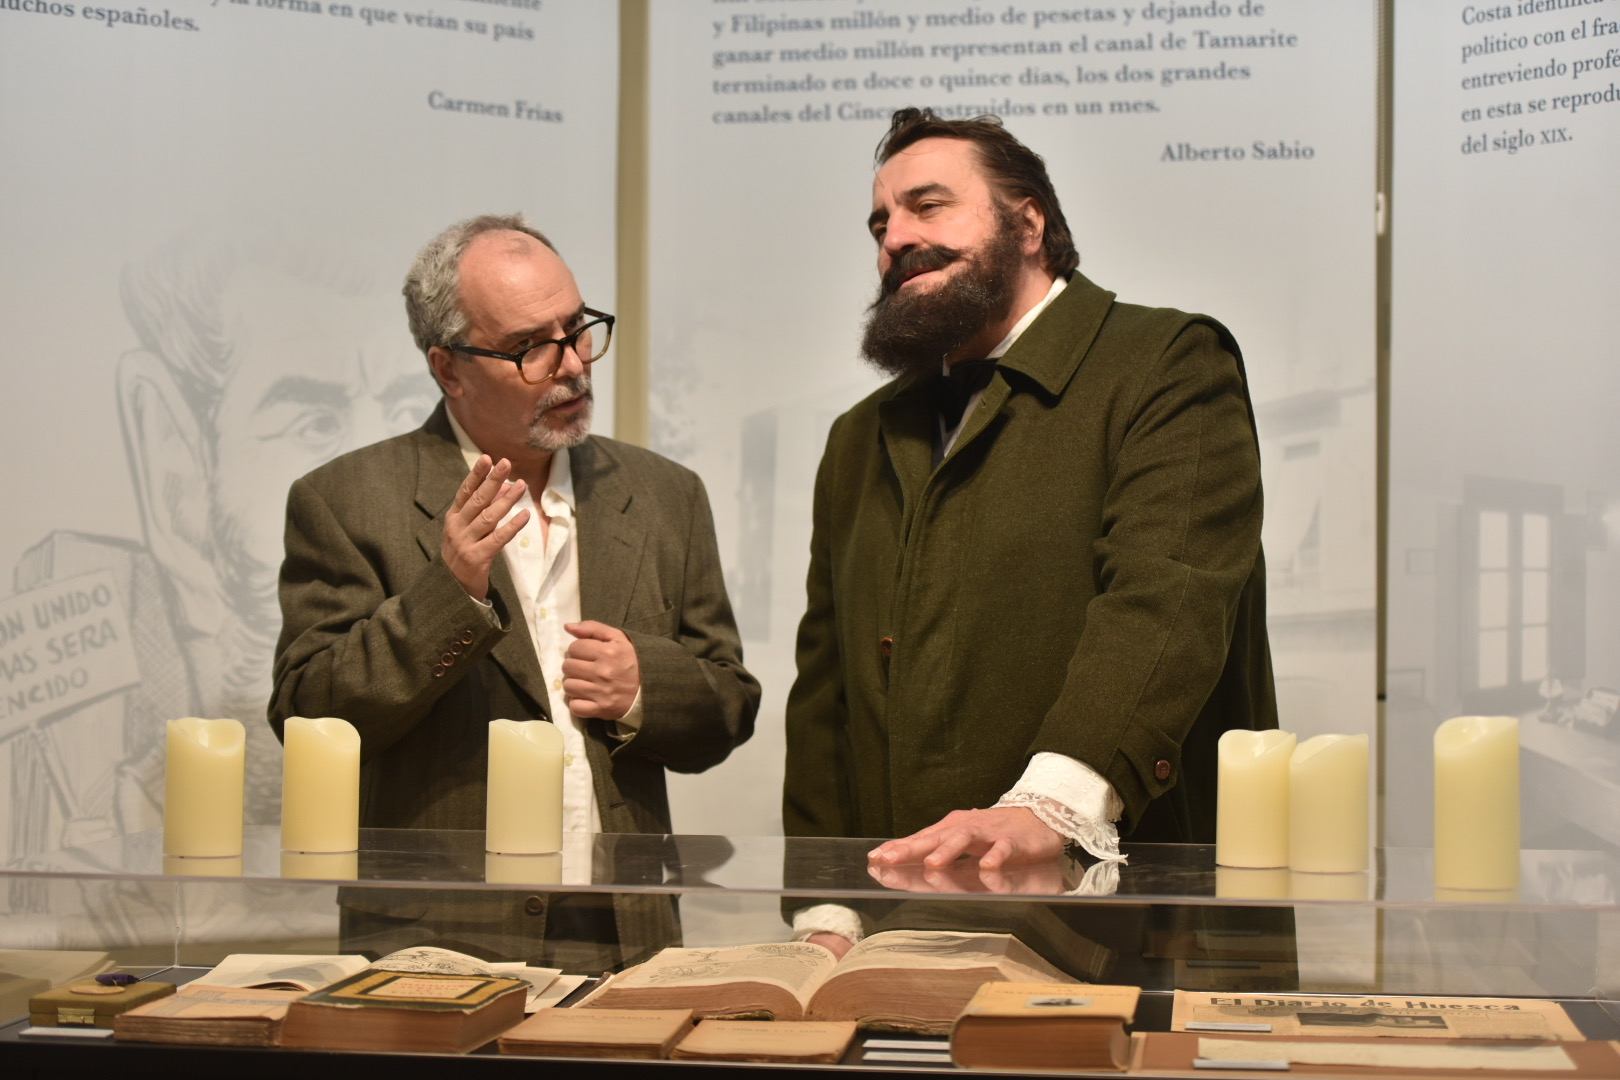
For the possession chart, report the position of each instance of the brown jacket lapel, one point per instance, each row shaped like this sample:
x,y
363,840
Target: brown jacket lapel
x,y
610,536
440,471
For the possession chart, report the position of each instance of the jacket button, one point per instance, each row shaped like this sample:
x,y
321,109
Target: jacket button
x,y
1161,769
886,647
447,659
456,648
535,905
466,637
438,671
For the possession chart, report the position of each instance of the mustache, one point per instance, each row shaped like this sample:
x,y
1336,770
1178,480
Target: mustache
x,y
913,262
567,390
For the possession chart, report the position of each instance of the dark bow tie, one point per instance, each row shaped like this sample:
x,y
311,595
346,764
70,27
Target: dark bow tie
x,y
954,388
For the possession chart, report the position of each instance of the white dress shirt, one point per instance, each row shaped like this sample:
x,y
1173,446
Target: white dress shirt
x,y
545,570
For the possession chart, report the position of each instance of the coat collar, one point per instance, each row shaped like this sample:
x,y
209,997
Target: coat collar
x,y
1049,353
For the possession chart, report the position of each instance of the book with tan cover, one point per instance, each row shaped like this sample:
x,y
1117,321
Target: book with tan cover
x,y
819,1042
902,980
1045,1026
425,1012
209,1016
599,1033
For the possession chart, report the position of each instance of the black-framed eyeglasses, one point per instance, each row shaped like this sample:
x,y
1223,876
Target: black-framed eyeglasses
x,y
543,359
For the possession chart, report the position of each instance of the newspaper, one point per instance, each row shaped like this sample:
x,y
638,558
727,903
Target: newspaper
x,y
1395,1015
1506,1058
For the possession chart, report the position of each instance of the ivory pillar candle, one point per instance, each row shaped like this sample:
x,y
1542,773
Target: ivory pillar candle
x,y
523,869
523,814
1251,806
1327,804
202,794
320,785
1476,803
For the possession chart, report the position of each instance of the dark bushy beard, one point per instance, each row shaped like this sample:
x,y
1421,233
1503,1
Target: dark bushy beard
x,y
911,334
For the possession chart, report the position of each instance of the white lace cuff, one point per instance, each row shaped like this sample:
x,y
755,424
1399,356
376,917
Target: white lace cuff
x,y
827,919
1073,800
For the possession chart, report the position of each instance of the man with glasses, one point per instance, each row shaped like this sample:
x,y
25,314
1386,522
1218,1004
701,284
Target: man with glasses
x,y
501,562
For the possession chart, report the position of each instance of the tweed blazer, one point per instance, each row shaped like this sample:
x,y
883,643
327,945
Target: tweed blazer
x,y
1081,574
377,630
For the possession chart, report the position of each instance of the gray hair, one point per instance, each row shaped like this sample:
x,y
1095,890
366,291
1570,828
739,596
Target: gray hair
x,y
433,285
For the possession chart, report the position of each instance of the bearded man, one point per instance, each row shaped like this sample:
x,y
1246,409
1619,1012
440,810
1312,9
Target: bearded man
x,y
503,563
1036,591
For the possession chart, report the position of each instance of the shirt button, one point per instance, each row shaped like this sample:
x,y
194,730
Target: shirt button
x,y
524,542
544,612
556,684
886,647
1161,770
535,905
568,761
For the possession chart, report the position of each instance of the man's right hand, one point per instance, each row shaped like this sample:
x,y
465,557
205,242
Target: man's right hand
x,y
473,533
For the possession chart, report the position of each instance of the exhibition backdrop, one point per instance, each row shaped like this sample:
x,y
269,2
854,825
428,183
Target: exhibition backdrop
x,y
1504,525
209,208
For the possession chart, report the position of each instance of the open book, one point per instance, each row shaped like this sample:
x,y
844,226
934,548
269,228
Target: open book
x,y
905,980
270,971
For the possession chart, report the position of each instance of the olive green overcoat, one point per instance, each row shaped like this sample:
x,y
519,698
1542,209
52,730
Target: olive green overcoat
x,y
1081,574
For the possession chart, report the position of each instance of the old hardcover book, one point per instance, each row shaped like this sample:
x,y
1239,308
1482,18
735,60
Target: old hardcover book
x,y
599,1033
819,1042
87,1003
1406,1016
274,971
209,1016
902,980
407,1011
1045,1026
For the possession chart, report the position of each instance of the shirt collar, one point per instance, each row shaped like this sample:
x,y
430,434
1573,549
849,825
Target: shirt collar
x,y
1059,283
559,485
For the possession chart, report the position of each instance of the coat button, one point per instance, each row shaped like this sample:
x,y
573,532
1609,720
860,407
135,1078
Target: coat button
x,y
535,905
466,637
1161,769
438,671
886,647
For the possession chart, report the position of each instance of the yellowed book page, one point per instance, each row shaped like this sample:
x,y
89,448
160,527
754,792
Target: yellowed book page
x,y
1054,999
1408,1055
944,950
303,971
428,958
757,1040
560,987
797,967
1386,1015
193,1002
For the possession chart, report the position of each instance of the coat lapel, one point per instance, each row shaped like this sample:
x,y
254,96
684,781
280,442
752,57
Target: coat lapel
x,y
611,537
440,471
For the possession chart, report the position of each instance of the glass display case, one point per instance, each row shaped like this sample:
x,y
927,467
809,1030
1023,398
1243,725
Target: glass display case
x,y
1167,919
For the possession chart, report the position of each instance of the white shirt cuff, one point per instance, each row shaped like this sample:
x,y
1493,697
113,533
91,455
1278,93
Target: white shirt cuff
x,y
1073,800
827,919
626,726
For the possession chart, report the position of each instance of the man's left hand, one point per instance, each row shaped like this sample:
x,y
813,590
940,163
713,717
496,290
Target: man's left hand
x,y
997,836
601,675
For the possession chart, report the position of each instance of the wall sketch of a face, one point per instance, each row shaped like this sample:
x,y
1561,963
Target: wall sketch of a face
x,y
258,359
